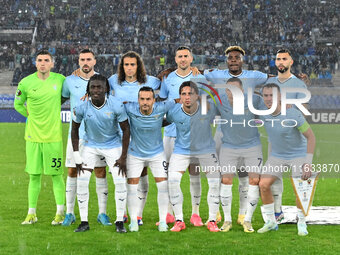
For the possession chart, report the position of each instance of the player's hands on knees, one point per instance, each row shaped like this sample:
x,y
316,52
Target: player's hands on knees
x,y
121,164
306,172
76,72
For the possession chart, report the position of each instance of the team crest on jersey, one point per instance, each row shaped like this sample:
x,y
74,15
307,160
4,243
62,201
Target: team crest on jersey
x,y
108,114
55,87
18,93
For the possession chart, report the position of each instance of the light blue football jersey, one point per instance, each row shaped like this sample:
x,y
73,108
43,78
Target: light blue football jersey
x,y
286,142
146,130
238,132
128,91
101,124
249,78
292,82
74,87
194,135
170,90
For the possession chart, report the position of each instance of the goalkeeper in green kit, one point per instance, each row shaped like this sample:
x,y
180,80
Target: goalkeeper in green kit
x,y
41,91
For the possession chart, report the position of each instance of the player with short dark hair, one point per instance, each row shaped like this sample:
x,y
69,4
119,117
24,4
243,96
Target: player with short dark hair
x,y
170,90
292,146
284,79
146,149
101,115
193,145
240,141
41,91
74,88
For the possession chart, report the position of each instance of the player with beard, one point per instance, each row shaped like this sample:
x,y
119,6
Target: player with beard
x,y
125,85
74,88
146,149
170,90
284,79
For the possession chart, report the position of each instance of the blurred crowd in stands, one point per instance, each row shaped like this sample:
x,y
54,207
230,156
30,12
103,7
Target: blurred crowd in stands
x,y
156,28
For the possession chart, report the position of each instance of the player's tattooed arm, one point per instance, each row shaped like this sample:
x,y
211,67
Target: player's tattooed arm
x,y
163,74
305,78
196,71
121,162
76,72
75,144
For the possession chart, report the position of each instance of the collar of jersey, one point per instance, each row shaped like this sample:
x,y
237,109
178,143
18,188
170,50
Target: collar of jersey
x,y
130,82
183,77
192,113
291,76
86,79
235,75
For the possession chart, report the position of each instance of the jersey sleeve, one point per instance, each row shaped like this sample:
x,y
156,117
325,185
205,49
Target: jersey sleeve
x,y
153,82
112,81
301,84
66,90
260,77
169,116
169,105
121,113
164,89
209,74
78,113
302,124
20,99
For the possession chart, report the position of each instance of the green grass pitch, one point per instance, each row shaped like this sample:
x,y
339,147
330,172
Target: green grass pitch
x,y
42,238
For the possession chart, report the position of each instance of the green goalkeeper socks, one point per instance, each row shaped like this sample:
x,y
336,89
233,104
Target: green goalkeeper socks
x,y
58,189
34,190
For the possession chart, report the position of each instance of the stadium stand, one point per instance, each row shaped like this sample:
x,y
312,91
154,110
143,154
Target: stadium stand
x,y
156,28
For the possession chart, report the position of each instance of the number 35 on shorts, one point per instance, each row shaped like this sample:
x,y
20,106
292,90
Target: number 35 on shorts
x,y
56,162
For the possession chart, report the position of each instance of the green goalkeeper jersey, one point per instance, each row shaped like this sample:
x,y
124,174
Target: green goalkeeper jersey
x,y
43,106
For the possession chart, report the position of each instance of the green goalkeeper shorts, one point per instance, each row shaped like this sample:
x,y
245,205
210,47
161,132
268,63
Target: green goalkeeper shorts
x,y
44,156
